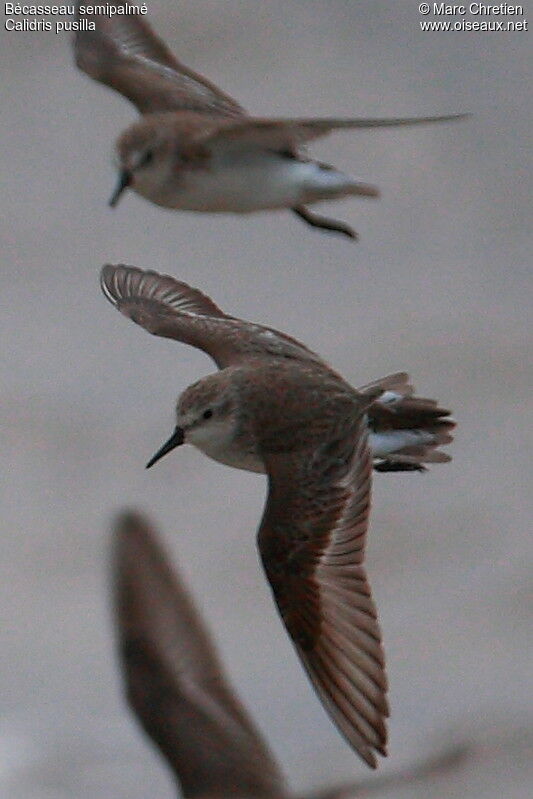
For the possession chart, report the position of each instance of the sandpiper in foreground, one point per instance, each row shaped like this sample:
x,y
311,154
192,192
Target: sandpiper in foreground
x,y
276,407
195,148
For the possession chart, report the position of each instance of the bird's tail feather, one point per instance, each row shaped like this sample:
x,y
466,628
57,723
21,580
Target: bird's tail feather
x,y
406,430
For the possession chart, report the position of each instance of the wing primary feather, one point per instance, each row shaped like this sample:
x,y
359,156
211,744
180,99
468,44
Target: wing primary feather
x,y
312,540
125,54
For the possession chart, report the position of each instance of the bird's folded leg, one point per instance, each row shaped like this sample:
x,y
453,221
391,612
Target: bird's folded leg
x,y
398,466
315,220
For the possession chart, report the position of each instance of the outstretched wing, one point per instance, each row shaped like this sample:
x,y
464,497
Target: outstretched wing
x,y
124,53
174,681
172,309
312,540
288,134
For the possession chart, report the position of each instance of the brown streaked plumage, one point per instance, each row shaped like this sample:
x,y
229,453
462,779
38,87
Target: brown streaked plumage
x,y
276,407
195,148
178,691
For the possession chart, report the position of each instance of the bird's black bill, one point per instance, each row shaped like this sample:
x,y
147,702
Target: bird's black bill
x,y
124,180
175,440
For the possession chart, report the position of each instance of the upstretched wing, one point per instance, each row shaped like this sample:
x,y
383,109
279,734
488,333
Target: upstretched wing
x,y
288,134
173,678
172,309
312,540
124,53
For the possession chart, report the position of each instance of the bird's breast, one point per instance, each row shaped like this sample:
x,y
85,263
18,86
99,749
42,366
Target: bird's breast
x,y
233,455
222,443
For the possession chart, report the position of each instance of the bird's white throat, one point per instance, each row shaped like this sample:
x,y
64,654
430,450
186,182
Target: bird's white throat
x,y
216,438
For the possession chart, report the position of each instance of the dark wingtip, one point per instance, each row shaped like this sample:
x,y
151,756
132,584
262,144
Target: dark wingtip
x,y
127,520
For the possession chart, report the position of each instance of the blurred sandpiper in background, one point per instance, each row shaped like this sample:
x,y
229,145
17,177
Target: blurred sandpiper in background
x,y
438,285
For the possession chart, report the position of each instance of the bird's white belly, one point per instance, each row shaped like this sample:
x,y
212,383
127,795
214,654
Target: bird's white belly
x,y
242,183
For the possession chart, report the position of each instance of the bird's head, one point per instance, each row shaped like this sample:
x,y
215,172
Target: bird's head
x,y
206,416
144,156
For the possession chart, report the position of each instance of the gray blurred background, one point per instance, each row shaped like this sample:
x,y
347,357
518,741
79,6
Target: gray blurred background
x,y
437,285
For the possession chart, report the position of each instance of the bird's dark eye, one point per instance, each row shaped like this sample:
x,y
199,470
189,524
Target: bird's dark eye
x,y
207,414
147,158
